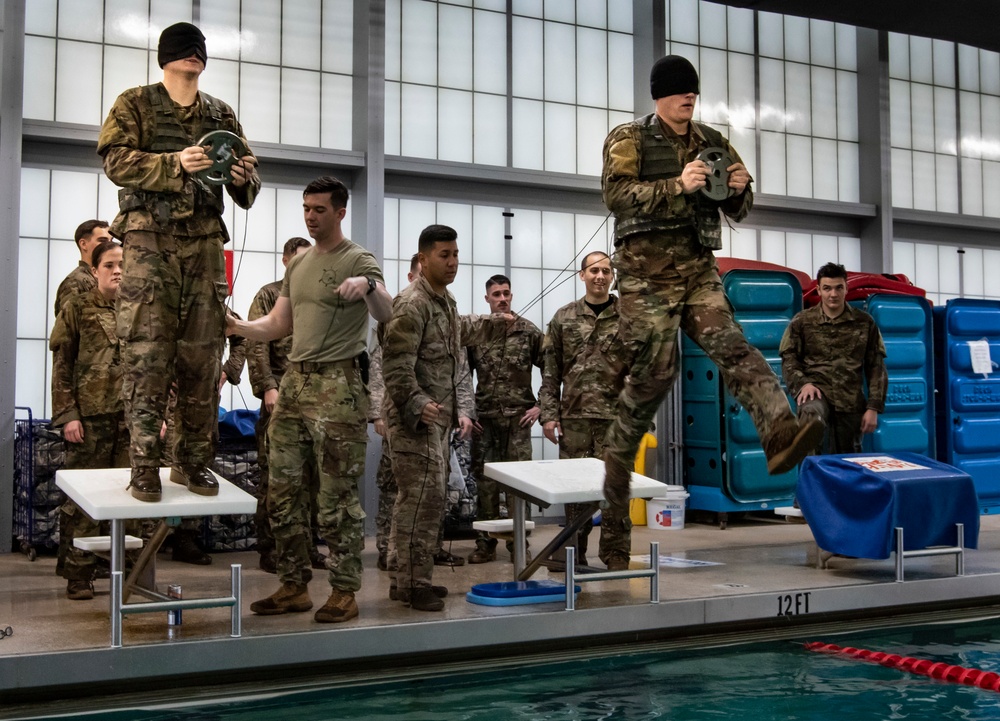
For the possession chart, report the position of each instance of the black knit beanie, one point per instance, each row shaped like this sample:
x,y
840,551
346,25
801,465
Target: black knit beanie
x,y
179,41
673,75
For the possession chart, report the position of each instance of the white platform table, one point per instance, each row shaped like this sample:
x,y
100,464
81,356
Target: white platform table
x,y
103,494
573,480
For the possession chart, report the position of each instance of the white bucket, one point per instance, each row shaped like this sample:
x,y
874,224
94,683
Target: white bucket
x,y
667,513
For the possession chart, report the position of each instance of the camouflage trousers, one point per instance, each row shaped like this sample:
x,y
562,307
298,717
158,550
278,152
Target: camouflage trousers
x,y
421,478
502,439
319,421
262,519
656,302
385,482
585,438
843,430
105,445
171,321
168,452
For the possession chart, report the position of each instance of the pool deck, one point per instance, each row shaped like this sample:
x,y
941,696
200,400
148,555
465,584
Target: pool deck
x,y
766,581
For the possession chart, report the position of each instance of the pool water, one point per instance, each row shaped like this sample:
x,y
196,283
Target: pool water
x,y
777,680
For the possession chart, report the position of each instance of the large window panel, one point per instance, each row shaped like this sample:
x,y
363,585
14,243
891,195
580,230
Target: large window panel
x,y
591,129
33,308
221,79
419,42
220,22
82,20
338,119
455,47
300,107
528,131
527,58
260,36
419,132
75,194
260,102
40,17
592,67
32,378
682,21
123,68
560,138
490,125
560,67
488,231
39,101
338,37
78,82
489,52
455,121
301,35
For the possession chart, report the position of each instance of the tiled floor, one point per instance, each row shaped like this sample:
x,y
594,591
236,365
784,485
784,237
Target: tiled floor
x,y
758,559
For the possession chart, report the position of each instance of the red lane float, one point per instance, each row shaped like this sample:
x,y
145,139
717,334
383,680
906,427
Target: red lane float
x,y
941,671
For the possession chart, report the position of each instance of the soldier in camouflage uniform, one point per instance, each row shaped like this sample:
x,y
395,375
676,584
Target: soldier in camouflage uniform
x,y
422,353
385,482
581,378
87,405
89,234
665,232
320,418
827,353
171,301
505,406
267,363
184,539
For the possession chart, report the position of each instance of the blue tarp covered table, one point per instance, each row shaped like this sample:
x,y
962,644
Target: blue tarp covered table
x,y
853,502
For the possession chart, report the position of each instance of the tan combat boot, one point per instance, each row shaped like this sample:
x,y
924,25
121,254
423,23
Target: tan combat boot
x,y
791,441
340,607
290,598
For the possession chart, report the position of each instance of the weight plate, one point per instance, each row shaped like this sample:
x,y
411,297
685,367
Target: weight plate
x,y
224,149
717,182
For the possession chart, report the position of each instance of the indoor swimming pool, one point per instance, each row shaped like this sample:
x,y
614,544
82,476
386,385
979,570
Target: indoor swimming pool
x,y
777,680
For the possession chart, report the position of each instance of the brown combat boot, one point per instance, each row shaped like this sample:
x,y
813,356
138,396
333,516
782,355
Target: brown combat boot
x,y
145,484
423,598
187,550
791,441
617,562
340,607
198,479
486,551
396,595
290,598
79,590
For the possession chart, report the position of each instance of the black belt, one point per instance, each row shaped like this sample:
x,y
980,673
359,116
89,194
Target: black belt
x,y
312,367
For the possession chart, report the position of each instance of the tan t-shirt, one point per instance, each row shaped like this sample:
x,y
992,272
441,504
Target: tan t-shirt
x,y
325,327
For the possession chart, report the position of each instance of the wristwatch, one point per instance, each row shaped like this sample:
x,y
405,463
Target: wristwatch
x,y
371,286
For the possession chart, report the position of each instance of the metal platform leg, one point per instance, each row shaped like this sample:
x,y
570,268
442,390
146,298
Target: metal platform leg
x,y
236,581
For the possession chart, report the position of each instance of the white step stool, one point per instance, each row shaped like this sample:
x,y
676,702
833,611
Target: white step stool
x,y
97,544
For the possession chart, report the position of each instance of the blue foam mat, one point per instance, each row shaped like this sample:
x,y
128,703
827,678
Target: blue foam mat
x,y
514,600
511,589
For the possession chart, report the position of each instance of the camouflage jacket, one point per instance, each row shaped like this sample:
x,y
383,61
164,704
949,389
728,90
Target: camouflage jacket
x,y
172,198
631,196
79,281
233,367
836,356
583,364
465,398
422,355
86,375
503,371
266,361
